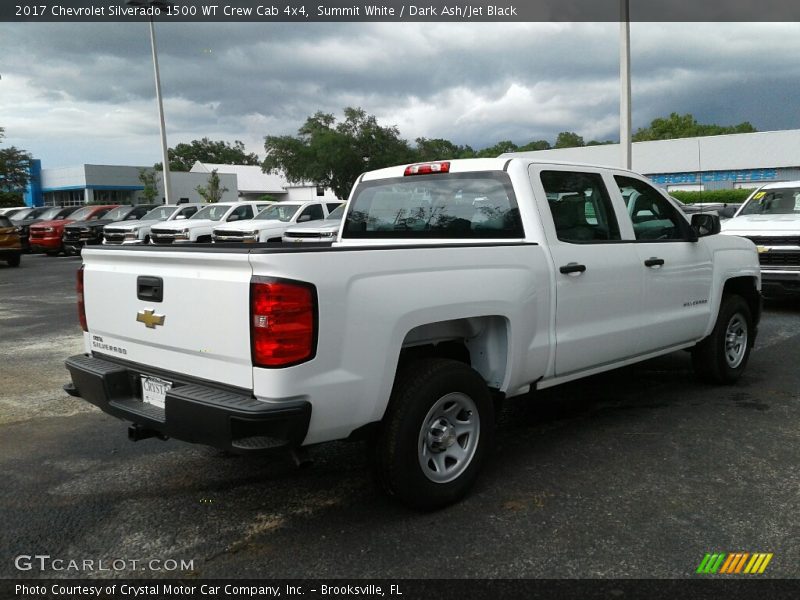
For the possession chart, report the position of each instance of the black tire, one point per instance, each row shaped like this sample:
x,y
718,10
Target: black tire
x,y
274,240
52,253
14,261
411,430
717,359
204,239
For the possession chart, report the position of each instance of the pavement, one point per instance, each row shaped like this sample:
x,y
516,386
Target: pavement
x,y
636,473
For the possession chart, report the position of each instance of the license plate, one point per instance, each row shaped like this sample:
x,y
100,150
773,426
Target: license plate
x,y
154,390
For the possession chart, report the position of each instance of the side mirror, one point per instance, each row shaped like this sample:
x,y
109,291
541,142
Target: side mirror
x,y
180,217
233,218
303,218
705,224
728,212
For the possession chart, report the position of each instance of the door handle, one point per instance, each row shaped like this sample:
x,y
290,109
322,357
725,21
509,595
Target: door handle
x,y
572,267
654,262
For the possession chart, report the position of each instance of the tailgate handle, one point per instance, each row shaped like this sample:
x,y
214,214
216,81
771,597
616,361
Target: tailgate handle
x,y
149,288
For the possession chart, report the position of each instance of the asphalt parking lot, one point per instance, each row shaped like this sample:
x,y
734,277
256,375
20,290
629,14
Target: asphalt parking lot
x,y
636,473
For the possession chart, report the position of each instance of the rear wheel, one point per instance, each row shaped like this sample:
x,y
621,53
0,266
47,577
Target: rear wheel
x,y
436,432
723,355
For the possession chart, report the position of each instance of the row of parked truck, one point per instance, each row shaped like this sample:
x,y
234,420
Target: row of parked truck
x,y
56,230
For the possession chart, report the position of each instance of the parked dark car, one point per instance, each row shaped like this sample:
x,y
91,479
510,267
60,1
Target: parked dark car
x,y
47,236
90,233
27,217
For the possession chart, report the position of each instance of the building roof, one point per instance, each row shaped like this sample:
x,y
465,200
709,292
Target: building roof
x,y
761,150
250,178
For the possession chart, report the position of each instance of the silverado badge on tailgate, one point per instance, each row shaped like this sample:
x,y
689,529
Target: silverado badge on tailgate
x,y
149,318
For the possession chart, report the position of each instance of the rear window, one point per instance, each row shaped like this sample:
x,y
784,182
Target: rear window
x,y
452,206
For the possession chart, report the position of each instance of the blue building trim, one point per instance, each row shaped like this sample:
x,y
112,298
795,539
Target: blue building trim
x,y
70,188
32,196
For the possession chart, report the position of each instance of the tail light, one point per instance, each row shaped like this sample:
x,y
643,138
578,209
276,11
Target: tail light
x,y
283,322
427,168
81,303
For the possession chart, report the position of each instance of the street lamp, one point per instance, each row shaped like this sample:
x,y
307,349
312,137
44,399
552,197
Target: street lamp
x,y
160,4
625,83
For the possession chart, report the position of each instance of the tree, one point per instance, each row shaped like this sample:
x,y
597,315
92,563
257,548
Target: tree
x,y
568,139
498,149
685,126
148,179
183,156
15,165
212,193
334,154
440,149
535,145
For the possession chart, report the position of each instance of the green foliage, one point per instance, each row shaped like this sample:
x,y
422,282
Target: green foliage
x,y
729,196
498,149
14,167
535,145
685,126
267,198
148,179
10,199
334,154
212,193
440,149
568,139
183,156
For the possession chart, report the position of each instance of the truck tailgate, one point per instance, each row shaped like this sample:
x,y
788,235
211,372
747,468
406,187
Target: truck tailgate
x,y
205,330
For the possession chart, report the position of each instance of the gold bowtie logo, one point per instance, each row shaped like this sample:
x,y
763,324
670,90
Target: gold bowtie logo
x,y
149,318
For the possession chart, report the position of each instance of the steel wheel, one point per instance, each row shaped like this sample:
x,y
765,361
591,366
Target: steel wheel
x,y
448,437
735,340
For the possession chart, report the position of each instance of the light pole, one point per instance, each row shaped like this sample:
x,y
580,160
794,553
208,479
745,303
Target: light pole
x,y
625,83
160,4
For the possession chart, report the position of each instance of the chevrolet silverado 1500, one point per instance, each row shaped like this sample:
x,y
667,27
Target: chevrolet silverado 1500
x,y
450,286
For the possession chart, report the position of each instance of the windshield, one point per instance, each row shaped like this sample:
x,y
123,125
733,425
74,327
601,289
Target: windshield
x,y
455,205
777,201
119,213
214,212
162,213
336,214
278,212
23,214
81,214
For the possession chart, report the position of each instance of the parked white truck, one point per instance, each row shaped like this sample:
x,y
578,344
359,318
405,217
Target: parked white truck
x,y
770,218
451,286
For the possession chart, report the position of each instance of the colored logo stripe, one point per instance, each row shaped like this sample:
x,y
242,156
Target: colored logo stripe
x,y
734,563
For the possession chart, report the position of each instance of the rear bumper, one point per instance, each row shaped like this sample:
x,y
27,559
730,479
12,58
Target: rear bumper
x,y
230,419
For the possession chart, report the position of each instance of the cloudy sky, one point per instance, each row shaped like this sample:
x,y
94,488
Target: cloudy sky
x,y
83,93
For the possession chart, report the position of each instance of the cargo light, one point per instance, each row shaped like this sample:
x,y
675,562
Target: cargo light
x,y
81,302
427,168
283,322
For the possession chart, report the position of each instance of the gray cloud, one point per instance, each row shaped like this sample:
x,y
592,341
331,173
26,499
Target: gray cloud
x,y
84,92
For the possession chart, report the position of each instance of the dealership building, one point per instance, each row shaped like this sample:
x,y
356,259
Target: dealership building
x,y
120,184
741,160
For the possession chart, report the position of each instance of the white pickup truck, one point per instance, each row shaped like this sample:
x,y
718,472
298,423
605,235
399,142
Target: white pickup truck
x,y
770,218
451,286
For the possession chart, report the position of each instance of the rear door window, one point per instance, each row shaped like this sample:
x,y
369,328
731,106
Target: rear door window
x,y
442,205
580,206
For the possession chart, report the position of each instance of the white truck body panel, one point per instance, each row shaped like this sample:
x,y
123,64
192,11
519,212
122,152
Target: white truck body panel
x,y
524,322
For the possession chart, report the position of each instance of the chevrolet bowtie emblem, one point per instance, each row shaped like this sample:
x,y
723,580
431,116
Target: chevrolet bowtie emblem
x,y
149,318
762,249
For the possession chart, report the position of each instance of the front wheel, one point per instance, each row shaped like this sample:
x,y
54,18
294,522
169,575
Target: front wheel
x,y
723,355
436,432
14,261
